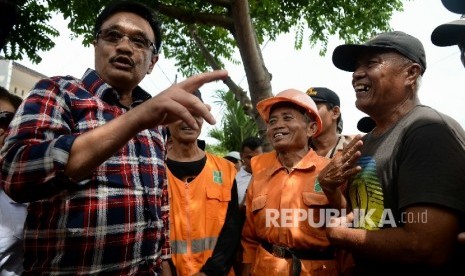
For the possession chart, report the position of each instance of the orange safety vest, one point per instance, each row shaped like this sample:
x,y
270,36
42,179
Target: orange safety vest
x,y
198,212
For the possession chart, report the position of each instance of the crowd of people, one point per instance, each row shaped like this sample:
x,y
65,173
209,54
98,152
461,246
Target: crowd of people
x,y
100,178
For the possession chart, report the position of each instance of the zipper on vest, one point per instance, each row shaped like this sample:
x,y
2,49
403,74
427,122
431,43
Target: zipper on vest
x,y
188,224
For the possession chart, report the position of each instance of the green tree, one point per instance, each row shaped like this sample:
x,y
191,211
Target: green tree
x,y
235,126
200,34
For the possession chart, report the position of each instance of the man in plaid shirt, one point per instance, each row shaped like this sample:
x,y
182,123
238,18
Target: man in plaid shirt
x,y
88,154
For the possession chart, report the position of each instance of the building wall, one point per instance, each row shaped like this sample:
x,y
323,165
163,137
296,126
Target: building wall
x,y
20,78
22,81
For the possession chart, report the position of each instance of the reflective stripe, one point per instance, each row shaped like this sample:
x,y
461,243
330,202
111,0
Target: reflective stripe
x,y
201,245
178,247
198,245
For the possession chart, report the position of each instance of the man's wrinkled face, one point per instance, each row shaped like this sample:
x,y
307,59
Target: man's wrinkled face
x,y
379,81
120,60
182,133
288,129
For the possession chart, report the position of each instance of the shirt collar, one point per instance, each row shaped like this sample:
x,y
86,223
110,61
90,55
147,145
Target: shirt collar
x,y
307,163
97,87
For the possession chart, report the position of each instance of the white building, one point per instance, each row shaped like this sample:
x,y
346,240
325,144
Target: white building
x,y
16,78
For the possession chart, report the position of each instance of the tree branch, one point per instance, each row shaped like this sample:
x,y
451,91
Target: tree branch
x,y
238,92
258,77
190,17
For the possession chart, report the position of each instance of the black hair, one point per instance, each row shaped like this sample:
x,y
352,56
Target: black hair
x,y
132,7
252,143
14,100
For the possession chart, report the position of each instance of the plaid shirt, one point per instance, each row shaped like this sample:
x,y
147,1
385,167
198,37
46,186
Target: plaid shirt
x,y
114,222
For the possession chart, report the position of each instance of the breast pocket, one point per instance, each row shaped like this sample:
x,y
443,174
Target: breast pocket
x,y
218,199
258,203
262,214
317,210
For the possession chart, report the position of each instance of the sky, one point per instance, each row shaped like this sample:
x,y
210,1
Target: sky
x,y
299,69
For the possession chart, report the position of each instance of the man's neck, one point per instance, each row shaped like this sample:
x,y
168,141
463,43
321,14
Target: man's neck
x,y
185,152
325,142
388,119
126,98
290,159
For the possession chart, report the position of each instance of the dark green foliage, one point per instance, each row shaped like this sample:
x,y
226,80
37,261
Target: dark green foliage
x,y
313,21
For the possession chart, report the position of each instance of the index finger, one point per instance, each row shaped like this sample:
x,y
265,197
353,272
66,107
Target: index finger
x,y
193,83
198,108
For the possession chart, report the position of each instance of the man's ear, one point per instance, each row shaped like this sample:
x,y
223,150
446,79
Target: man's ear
x,y
336,111
312,128
153,61
413,71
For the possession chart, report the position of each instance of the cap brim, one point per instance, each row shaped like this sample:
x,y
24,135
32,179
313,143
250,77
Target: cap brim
x,y
455,6
319,100
345,56
264,108
448,34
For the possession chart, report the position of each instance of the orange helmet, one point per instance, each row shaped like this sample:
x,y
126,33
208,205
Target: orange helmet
x,y
292,96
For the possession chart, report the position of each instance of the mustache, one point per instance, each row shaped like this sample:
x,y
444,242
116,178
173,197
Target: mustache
x,y
126,59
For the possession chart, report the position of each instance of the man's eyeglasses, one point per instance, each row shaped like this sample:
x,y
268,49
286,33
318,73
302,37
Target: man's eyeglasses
x,y
5,119
137,41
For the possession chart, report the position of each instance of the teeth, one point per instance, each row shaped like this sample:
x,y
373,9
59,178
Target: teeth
x,y
278,135
361,88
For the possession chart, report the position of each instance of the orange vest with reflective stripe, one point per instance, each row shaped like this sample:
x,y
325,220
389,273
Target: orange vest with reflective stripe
x,y
198,212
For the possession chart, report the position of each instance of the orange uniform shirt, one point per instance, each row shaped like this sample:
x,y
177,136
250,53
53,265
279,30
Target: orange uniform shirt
x,y
281,208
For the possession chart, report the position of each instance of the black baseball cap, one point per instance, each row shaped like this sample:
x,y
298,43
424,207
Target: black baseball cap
x,y
366,124
326,95
450,33
345,56
455,6
323,95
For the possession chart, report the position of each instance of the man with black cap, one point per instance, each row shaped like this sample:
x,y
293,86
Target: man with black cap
x,y
406,180
452,33
329,141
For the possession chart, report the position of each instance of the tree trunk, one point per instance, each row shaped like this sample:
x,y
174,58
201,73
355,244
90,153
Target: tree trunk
x,y
258,77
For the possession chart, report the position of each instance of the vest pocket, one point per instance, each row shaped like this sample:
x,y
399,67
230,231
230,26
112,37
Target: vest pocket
x,y
218,199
